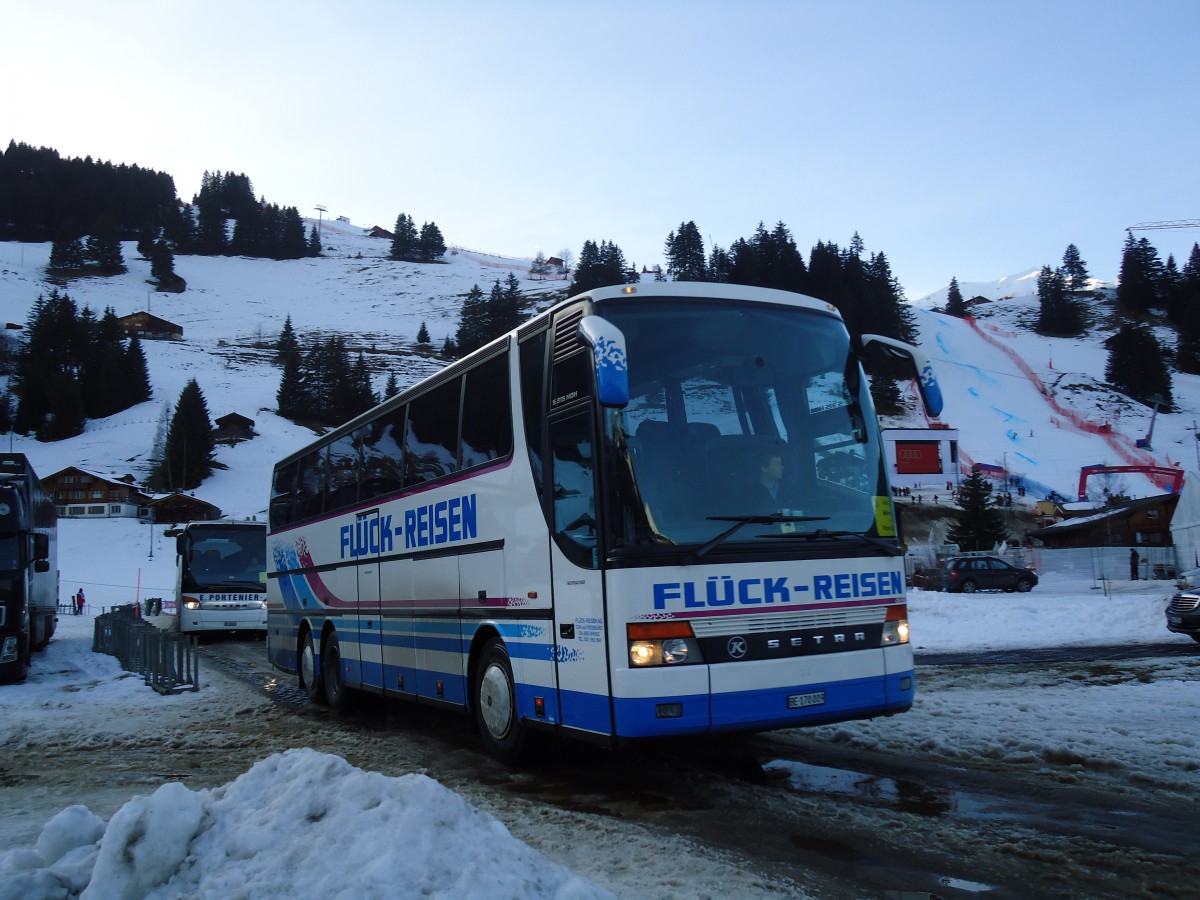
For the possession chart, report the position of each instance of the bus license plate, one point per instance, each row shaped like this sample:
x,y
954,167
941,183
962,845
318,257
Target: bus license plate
x,y
798,701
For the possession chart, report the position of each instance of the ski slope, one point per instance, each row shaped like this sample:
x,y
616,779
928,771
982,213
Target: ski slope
x,y
1037,407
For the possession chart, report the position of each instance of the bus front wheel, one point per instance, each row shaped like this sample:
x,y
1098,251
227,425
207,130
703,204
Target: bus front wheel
x,y
313,686
496,705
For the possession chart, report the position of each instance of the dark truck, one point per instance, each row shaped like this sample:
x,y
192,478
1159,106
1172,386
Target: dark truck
x,y
28,566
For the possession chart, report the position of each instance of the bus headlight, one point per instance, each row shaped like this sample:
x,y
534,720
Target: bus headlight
x,y
661,644
191,603
895,628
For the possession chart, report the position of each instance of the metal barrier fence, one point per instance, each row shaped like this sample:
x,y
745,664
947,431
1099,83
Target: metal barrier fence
x,y
165,659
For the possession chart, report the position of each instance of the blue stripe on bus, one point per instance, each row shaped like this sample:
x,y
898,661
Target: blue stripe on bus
x,y
587,711
745,710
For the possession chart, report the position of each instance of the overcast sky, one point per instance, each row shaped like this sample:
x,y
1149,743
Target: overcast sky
x,y
960,138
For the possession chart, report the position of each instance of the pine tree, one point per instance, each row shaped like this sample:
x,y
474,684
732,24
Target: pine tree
x,y
472,322
422,334
66,253
292,398
103,247
314,242
404,239
1184,311
539,268
1060,314
145,244
955,304
162,262
1140,276
685,254
392,388
430,245
449,350
1136,366
292,243
1074,269
137,387
979,525
599,266
189,454
287,346
210,239
885,394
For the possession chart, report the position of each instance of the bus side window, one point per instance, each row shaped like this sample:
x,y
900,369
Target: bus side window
x,y
342,489
383,456
487,413
431,439
575,528
283,495
310,485
533,391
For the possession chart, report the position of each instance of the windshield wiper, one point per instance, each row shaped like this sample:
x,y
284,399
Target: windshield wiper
x,y
823,534
738,522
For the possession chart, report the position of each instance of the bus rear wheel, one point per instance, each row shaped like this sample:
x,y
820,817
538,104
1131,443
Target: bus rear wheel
x,y
313,686
337,695
495,704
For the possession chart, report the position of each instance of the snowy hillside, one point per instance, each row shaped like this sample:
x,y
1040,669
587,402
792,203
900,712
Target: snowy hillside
x,y
1018,399
232,307
1038,406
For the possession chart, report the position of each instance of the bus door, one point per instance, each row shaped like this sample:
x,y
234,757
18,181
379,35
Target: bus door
x,y
580,647
370,609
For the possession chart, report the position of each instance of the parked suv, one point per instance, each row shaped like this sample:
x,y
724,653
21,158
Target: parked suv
x,y
1183,612
968,574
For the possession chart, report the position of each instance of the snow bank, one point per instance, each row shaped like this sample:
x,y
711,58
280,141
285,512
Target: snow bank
x,y
299,823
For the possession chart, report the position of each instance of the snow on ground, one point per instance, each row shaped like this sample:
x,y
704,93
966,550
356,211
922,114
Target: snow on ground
x,y
1096,723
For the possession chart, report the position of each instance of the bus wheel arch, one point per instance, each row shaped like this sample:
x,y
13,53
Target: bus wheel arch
x,y
494,696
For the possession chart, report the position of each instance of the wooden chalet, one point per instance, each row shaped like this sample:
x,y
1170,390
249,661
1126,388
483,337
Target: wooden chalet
x,y
1135,523
80,494
233,427
147,327
172,509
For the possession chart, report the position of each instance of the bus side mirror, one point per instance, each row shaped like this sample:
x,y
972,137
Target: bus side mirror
x,y
41,550
41,565
608,352
927,383
180,549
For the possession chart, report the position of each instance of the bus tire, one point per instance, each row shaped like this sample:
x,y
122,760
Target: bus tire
x,y
312,685
337,695
495,697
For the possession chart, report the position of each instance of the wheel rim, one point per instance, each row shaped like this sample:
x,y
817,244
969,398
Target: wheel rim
x,y
969,587
308,665
495,701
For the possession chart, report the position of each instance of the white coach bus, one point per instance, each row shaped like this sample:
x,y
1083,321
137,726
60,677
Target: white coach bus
x,y
651,510
220,577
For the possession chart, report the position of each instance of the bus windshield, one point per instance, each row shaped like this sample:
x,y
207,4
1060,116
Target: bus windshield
x,y
225,558
746,421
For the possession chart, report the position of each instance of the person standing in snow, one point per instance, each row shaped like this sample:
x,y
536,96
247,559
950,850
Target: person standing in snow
x,y
1133,564
79,602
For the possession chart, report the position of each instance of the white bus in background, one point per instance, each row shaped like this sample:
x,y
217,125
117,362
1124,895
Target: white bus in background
x,y
221,577
558,532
